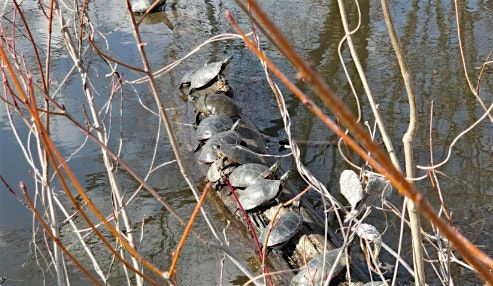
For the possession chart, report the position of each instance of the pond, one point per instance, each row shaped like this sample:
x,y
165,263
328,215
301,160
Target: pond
x,y
428,35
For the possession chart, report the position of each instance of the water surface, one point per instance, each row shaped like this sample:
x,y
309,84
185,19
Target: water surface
x,y
427,33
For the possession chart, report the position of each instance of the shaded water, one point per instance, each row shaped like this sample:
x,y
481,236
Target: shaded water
x,y
428,35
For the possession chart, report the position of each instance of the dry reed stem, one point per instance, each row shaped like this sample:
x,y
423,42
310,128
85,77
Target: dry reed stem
x,y
378,160
100,128
407,141
359,67
261,251
54,238
31,40
47,191
52,153
85,246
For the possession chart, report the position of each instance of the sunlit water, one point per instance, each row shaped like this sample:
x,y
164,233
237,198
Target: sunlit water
x,y
428,35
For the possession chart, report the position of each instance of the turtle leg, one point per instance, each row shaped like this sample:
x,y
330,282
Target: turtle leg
x,y
197,145
278,200
220,76
278,250
184,94
198,117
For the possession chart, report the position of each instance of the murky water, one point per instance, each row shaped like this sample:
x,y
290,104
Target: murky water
x,y
428,35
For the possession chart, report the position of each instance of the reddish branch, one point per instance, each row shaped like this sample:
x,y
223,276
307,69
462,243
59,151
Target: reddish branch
x,y
371,152
252,230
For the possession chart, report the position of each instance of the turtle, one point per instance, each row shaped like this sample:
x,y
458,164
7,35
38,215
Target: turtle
x,y
317,270
216,103
204,75
247,174
209,153
260,192
220,86
141,6
251,136
212,125
286,227
237,154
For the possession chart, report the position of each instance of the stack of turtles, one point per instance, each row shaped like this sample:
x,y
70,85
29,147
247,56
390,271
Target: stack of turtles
x,y
232,149
222,142
229,146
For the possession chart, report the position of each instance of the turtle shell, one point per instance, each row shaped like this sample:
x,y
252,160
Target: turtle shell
x,y
217,170
209,154
206,74
237,154
217,104
213,125
214,172
247,174
252,137
312,275
259,193
286,227
186,79
141,6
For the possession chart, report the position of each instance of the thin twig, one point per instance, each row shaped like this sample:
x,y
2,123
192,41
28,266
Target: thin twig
x,y
188,227
407,141
378,160
55,238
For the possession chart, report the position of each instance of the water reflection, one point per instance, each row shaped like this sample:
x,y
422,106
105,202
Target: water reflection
x,y
427,32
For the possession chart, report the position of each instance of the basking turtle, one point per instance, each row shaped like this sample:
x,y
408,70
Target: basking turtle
x,y
237,154
252,137
220,86
286,227
247,174
216,103
312,275
204,75
213,125
209,152
260,192
141,6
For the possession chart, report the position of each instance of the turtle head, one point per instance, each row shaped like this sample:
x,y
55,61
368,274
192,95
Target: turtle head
x,y
285,176
235,125
217,148
273,169
226,60
222,87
